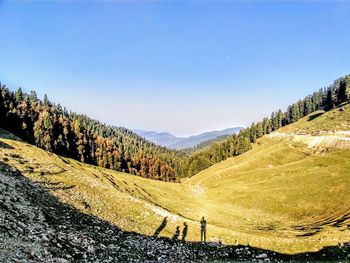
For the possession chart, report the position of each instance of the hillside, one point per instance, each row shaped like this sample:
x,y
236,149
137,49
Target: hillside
x,y
327,98
37,227
286,189
284,195
55,129
179,143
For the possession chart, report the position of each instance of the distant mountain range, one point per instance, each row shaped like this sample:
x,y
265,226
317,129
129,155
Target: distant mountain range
x,y
168,140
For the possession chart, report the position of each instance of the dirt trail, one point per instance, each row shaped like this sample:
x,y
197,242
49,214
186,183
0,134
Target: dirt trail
x,y
321,140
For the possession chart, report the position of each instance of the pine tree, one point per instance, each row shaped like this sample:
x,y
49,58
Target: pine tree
x,y
330,100
19,95
307,109
344,90
46,101
293,113
253,133
33,97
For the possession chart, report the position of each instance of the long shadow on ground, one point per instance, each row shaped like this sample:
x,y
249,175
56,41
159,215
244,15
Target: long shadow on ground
x,y
36,227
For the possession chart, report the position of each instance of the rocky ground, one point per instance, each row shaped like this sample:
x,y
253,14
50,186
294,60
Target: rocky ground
x,y
36,227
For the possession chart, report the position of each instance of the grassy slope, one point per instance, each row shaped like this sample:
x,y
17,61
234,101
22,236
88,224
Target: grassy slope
x,y
281,195
335,120
131,202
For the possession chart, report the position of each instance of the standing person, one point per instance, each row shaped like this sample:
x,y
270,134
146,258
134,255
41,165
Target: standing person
x,y
203,230
184,231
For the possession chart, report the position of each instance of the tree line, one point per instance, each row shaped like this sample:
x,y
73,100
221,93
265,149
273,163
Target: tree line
x,y
53,128
326,98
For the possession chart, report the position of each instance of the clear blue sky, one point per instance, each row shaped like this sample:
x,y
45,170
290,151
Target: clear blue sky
x,y
182,67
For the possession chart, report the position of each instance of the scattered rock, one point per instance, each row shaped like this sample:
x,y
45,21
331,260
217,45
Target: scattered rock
x,y
262,256
39,228
60,260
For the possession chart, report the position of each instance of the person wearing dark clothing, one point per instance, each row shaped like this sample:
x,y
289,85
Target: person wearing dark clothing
x,y
161,227
177,233
184,231
203,230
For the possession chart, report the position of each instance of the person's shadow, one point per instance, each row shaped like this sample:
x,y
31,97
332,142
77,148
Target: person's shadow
x,y
176,234
184,232
161,227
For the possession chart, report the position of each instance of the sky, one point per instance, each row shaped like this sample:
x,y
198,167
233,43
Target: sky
x,y
176,66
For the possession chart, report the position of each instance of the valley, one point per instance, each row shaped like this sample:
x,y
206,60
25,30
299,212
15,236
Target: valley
x,y
174,131
288,194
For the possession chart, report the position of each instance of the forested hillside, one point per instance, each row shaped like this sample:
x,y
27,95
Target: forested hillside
x,y
53,128
327,98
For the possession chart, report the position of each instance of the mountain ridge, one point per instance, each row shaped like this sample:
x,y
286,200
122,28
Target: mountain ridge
x,y
171,141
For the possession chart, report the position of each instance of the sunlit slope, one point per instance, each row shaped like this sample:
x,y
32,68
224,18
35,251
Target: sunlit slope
x,y
337,120
290,193
291,188
131,202
288,144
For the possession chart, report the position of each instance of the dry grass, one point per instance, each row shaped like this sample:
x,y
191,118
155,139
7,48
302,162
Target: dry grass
x,y
280,196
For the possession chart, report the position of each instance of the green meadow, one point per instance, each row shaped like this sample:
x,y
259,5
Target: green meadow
x,y
288,194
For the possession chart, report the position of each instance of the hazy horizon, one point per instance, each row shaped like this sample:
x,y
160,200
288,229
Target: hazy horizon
x,y
186,136
178,67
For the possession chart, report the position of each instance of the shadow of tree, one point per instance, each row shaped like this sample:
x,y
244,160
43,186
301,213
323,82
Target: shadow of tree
x,y
54,185
55,188
314,116
161,227
6,146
